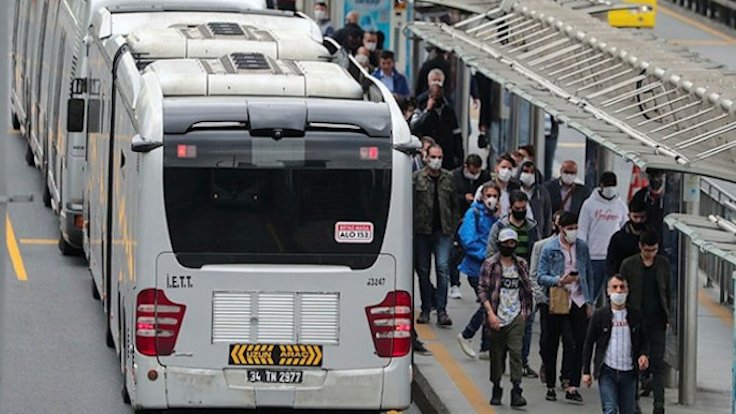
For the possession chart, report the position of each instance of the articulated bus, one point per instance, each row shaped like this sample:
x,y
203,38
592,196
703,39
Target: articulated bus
x,y
49,53
251,218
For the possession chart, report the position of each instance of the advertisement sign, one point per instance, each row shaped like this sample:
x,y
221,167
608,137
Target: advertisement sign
x,y
375,15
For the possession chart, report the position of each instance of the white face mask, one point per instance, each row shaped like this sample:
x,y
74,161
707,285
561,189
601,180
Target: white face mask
x,y
504,174
618,298
491,202
434,163
568,179
320,14
608,192
527,179
371,46
470,176
571,236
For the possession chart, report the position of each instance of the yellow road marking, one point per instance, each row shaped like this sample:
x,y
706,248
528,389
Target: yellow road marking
x,y
464,383
699,42
677,16
722,312
42,242
13,251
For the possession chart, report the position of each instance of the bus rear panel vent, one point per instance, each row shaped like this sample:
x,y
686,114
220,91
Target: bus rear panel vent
x,y
250,61
225,29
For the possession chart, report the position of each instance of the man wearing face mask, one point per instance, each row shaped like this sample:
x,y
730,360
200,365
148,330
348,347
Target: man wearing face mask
x,y
503,177
565,262
435,221
602,215
506,294
438,119
370,43
517,220
322,16
625,242
621,346
564,192
649,290
539,199
473,233
653,198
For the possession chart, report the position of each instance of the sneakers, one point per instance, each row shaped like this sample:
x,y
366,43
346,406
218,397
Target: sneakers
x,y
573,395
496,396
528,372
455,292
484,355
551,395
420,349
443,319
516,399
465,345
423,318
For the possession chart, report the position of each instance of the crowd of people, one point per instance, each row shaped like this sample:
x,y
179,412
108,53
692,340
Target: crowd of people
x,y
585,261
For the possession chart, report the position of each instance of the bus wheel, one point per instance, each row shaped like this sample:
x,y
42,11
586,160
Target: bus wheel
x,y
29,156
108,338
67,249
46,195
95,293
16,122
125,394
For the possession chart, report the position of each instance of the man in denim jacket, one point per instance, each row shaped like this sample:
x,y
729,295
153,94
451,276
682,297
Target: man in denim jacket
x,y
565,262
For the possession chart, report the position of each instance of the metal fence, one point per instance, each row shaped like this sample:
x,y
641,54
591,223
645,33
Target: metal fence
x,y
714,199
722,11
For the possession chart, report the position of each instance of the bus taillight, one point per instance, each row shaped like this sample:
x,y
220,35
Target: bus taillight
x,y
390,323
157,323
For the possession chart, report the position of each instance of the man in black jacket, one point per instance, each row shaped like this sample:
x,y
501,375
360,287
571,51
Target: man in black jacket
x,y
625,242
649,278
438,119
468,177
621,350
565,193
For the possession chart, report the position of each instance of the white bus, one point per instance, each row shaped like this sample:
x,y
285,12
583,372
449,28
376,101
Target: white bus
x,y
49,62
250,229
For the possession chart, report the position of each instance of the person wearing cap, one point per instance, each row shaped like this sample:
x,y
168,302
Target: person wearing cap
x,y
601,216
506,294
565,263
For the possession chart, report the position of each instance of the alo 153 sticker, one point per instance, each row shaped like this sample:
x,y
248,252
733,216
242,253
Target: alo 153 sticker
x,y
354,232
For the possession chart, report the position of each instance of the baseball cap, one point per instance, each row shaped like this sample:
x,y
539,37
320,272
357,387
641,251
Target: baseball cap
x,y
507,234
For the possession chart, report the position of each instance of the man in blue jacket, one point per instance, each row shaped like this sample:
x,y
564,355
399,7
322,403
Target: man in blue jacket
x,y
389,76
565,263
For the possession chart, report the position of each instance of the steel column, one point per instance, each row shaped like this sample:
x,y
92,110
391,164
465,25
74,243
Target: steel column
x,y
688,332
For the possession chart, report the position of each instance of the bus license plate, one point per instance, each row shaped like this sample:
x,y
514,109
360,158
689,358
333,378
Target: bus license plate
x,y
270,376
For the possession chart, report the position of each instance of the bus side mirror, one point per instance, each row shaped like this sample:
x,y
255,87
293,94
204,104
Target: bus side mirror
x,y
75,115
140,144
411,147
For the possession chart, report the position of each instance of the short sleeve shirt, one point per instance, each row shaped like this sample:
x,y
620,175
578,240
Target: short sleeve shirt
x,y
509,303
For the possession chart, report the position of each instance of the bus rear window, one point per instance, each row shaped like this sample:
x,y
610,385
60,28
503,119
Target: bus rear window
x,y
273,215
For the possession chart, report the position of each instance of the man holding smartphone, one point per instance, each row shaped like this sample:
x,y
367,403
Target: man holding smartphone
x,y
565,262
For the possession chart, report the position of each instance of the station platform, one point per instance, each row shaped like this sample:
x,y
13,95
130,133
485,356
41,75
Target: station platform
x,y
450,382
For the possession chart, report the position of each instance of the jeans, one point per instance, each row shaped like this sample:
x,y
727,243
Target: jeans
x,y
527,345
578,320
599,278
618,390
477,321
507,339
425,245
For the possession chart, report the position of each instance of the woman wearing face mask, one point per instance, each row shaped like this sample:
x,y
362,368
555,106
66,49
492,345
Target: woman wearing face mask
x,y
621,350
473,232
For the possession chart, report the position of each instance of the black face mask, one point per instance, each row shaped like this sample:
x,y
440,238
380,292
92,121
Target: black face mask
x,y
518,214
506,251
638,226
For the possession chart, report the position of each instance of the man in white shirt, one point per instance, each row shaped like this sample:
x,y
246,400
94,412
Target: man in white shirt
x,y
621,350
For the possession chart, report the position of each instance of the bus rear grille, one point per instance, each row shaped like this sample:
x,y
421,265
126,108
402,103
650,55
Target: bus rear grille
x,y
288,318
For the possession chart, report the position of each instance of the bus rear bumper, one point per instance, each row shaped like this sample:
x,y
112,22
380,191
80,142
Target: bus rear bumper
x,y
320,389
